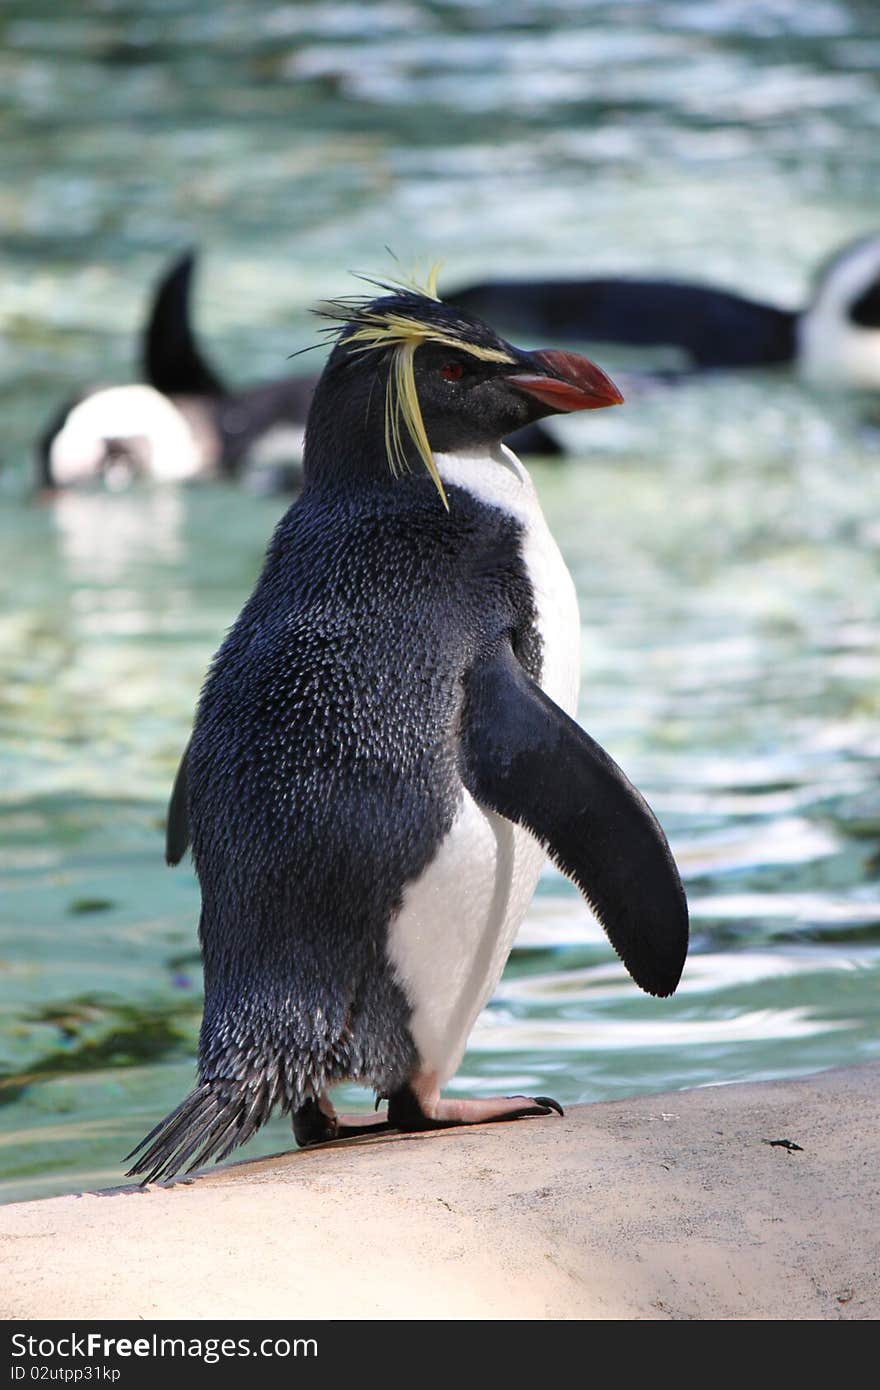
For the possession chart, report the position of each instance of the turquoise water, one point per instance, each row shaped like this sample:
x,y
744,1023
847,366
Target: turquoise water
x,y
724,535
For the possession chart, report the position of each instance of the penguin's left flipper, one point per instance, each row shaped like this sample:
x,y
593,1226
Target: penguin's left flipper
x,y
177,823
524,758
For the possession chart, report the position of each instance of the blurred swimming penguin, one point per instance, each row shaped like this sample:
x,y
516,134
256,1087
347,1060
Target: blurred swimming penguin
x,y
184,422
384,752
834,338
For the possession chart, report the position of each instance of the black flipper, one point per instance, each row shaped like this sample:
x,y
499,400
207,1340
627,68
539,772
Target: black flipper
x,y
177,824
713,326
524,758
173,362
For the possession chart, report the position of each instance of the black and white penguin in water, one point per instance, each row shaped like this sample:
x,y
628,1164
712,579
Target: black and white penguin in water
x,y
183,423
384,750
834,339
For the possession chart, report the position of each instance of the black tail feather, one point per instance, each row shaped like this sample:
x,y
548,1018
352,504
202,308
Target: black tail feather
x,y
164,1145
167,1127
212,1121
259,1108
215,1141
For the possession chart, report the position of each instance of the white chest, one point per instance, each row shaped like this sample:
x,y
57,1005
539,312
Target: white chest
x,y
453,934
497,476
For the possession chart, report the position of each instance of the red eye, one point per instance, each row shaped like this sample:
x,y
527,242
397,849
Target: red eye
x,y
453,371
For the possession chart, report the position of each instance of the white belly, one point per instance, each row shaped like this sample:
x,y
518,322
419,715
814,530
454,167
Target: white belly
x,y
457,923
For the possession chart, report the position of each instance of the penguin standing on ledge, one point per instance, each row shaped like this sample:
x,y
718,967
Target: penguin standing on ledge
x,y
384,751
835,338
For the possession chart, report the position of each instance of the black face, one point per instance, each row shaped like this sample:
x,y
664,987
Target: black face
x,y
466,402
466,398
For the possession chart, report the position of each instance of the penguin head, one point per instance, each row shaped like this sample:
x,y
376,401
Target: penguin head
x,y
839,332
117,435
410,376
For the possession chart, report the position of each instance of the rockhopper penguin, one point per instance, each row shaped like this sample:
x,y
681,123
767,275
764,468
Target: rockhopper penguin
x,y
384,752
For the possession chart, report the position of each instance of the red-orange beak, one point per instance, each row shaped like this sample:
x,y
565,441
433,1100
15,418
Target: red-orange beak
x,y
571,382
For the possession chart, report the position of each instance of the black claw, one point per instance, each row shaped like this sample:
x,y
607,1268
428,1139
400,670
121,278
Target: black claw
x,y
546,1103
550,1103
524,1113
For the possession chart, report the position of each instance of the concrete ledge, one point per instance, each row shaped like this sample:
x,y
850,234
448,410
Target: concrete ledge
x,y
671,1206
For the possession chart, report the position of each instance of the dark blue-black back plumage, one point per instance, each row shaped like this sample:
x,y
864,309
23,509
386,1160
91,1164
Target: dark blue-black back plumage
x,y
322,774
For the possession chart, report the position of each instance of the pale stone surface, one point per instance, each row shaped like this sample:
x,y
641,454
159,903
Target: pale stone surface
x,y
668,1206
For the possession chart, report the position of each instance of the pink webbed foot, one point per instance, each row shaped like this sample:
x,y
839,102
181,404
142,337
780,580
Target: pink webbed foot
x,y
413,1109
419,1106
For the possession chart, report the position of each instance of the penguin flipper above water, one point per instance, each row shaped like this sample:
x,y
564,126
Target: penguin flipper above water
x,y
172,359
177,824
526,759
